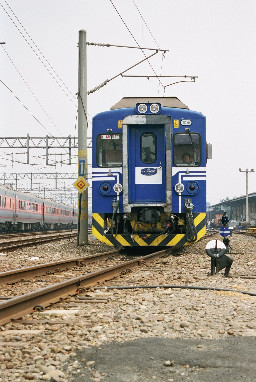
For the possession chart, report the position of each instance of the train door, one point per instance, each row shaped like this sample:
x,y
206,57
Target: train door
x,y
146,164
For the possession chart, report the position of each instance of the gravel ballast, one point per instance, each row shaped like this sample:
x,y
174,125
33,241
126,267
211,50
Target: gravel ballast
x,y
66,342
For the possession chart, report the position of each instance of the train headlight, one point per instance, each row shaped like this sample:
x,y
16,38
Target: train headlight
x,y
179,188
148,108
154,108
142,108
118,188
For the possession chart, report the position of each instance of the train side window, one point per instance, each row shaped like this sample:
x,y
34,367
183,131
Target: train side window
x,y
109,150
148,145
187,149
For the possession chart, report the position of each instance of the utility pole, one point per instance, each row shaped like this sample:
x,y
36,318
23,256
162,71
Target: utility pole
x,y
246,198
82,235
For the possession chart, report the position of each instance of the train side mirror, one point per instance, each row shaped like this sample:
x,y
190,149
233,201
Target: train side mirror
x,y
208,151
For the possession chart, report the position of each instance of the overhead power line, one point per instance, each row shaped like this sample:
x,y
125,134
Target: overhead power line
x,y
191,78
31,43
29,88
126,26
125,46
25,107
145,23
120,74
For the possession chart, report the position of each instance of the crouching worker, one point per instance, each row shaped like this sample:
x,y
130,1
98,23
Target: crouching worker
x,y
216,249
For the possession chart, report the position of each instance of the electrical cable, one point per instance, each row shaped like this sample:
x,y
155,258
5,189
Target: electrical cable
x,y
34,47
145,23
31,91
134,39
119,74
177,287
25,107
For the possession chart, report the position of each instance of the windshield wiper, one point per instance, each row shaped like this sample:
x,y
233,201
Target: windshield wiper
x,y
187,130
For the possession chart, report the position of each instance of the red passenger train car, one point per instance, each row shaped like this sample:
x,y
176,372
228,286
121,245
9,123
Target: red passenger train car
x,y
21,211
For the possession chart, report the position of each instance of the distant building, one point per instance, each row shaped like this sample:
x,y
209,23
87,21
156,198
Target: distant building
x,y
235,209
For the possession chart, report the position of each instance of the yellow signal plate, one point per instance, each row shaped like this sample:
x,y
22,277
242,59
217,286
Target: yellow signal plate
x,y
176,123
80,184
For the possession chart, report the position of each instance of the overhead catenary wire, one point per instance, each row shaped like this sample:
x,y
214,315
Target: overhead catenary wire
x,y
29,88
165,76
163,54
193,79
33,94
160,82
124,46
120,74
38,53
41,58
25,107
136,6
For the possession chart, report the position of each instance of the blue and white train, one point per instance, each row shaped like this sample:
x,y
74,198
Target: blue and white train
x,y
149,173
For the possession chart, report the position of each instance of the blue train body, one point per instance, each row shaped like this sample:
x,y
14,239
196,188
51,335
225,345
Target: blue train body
x,y
149,173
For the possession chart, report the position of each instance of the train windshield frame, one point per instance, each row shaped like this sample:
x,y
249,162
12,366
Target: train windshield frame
x,y
109,151
187,149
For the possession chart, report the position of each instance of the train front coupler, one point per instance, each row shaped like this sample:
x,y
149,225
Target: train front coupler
x,y
115,206
191,232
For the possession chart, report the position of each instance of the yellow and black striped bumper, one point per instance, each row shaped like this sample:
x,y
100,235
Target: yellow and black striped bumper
x,y
146,240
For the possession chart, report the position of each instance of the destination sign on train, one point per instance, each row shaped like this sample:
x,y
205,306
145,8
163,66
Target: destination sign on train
x,y
110,136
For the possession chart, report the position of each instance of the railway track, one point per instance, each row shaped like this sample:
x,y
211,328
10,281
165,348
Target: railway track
x,y
15,307
16,275
132,306
39,238
26,234
27,303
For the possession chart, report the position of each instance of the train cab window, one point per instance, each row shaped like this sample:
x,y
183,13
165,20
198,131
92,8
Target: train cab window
x,y
148,145
109,150
187,149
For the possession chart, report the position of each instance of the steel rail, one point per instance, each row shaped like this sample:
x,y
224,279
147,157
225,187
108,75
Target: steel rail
x,y
34,233
25,242
18,306
31,236
15,275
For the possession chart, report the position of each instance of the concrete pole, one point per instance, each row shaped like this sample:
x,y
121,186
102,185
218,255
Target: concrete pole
x,y
247,218
246,197
82,236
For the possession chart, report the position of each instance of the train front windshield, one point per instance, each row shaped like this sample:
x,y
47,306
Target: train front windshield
x,y
187,149
109,150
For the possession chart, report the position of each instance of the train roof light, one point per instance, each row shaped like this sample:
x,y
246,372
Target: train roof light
x,y
148,108
154,108
142,108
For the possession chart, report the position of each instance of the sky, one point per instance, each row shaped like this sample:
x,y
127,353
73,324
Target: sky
x,y
214,40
